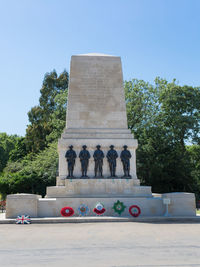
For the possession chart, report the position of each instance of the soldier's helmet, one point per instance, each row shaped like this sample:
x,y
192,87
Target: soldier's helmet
x,y
111,146
84,146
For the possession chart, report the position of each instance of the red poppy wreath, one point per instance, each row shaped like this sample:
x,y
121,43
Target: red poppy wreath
x,y
67,211
99,209
134,210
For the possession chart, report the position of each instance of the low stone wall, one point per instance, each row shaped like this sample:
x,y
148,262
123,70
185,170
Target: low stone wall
x,y
19,204
181,204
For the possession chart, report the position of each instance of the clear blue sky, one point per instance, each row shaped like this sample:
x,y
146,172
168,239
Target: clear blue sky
x,y
153,38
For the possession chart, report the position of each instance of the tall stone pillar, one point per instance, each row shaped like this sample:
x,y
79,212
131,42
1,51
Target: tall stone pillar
x,y
96,114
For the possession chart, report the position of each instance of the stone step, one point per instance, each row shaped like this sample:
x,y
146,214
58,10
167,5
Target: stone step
x,y
100,187
95,219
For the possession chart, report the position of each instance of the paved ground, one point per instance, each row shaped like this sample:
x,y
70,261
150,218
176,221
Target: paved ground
x,y
100,244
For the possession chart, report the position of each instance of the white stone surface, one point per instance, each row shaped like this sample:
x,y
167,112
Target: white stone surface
x,y
96,94
99,187
96,113
181,204
20,204
149,206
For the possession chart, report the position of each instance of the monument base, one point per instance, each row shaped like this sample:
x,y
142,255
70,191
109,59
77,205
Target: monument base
x,y
98,187
181,204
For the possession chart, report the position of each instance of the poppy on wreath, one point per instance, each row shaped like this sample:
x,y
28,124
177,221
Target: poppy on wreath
x,y
134,210
99,209
67,211
83,209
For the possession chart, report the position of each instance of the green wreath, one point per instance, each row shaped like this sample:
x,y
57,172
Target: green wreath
x,y
119,207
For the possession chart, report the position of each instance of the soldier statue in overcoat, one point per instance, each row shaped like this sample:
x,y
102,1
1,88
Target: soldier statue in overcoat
x,y
112,156
125,158
70,156
98,161
84,156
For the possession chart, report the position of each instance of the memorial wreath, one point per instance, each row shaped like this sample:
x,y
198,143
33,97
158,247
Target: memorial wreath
x,y
67,211
119,207
99,209
83,209
134,210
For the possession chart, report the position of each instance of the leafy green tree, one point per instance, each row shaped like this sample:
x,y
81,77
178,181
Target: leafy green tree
x,y
57,120
163,117
41,117
31,162
194,156
19,151
31,175
181,110
7,144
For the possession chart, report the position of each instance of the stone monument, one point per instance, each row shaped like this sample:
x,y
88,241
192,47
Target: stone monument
x,y
97,153
96,113
96,116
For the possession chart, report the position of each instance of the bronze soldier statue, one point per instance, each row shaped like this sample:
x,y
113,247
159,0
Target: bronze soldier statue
x,y
125,158
84,156
98,160
70,157
112,156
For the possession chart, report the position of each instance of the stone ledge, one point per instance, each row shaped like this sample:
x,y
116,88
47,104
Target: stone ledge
x,y
156,219
23,196
98,130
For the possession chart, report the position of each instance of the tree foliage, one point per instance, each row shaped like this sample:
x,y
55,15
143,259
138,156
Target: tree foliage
x,y
43,118
10,144
32,174
164,117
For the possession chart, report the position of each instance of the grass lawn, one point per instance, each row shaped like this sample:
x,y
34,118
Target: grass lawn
x,y
198,212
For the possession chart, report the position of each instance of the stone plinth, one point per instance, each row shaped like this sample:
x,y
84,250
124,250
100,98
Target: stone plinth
x,y
99,188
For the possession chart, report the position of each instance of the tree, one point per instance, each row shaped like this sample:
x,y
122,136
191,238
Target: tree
x,y
181,110
7,144
163,117
30,164
194,156
31,175
19,151
53,91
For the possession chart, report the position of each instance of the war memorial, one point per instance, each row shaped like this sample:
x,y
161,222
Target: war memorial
x,y
97,155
